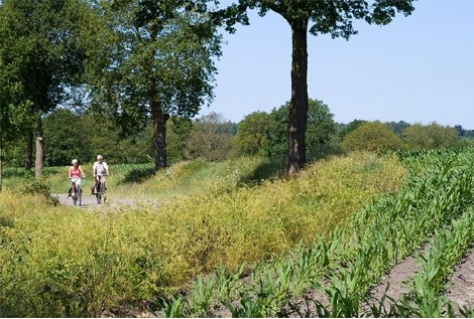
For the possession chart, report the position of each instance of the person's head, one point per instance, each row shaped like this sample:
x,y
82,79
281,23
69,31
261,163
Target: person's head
x,y
100,158
75,162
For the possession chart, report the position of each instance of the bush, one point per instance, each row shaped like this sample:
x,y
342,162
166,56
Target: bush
x,y
373,137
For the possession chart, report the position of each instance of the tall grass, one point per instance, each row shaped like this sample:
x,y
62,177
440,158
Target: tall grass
x,y
60,261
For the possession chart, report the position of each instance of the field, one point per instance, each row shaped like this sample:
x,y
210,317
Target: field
x,y
233,239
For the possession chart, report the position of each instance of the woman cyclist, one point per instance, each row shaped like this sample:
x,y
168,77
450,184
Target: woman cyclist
x,y
75,174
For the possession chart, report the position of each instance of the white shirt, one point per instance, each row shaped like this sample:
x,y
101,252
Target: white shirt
x,y
100,168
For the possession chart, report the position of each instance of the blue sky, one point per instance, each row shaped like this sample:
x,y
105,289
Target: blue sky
x,y
419,69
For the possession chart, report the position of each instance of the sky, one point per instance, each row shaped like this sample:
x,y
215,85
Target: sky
x,y
417,69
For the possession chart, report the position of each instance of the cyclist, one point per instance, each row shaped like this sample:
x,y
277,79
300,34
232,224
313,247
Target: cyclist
x,y
100,169
75,174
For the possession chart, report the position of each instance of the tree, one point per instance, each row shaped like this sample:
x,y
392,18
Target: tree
x,y
461,131
67,137
346,129
264,134
253,134
43,54
210,139
177,133
397,127
320,127
105,138
334,17
430,136
372,136
12,115
151,59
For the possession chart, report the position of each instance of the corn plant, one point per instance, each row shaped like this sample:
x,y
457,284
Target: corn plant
x,y
449,244
173,308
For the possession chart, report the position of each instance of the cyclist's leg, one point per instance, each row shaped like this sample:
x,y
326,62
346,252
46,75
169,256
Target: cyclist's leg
x,y
73,188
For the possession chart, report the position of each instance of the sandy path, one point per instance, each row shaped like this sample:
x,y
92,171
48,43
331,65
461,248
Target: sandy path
x,y
90,202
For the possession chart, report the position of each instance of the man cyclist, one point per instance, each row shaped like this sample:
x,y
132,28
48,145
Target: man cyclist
x,y
100,169
75,174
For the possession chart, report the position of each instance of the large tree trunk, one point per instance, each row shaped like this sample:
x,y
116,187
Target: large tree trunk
x,y
299,97
159,133
29,150
39,149
1,157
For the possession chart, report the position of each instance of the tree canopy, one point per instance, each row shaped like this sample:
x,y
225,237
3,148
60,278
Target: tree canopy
x,y
264,134
430,136
41,59
152,60
372,136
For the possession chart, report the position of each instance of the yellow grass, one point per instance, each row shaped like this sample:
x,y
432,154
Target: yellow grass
x,y
131,253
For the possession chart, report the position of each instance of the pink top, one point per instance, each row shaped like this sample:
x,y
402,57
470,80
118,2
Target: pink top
x,y
74,171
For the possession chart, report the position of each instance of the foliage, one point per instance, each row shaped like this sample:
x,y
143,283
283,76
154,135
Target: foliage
x,y
177,133
42,44
42,60
265,134
397,127
210,138
84,136
372,136
348,128
464,132
66,137
151,61
430,136
320,128
253,134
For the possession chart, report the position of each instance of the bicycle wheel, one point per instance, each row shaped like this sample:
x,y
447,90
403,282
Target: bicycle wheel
x,y
74,199
99,193
79,196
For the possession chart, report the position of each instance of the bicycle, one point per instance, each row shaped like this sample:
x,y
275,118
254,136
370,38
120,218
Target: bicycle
x,y
77,197
101,190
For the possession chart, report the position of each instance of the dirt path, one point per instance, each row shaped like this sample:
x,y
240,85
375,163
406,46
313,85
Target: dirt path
x,y
398,281
90,202
460,289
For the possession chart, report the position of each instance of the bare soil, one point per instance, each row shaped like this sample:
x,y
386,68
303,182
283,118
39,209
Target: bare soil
x,y
460,289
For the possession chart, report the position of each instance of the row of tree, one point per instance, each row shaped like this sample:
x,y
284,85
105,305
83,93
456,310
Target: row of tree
x,y
137,61
211,137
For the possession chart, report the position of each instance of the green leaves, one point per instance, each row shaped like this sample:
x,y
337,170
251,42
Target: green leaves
x,y
152,60
264,134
